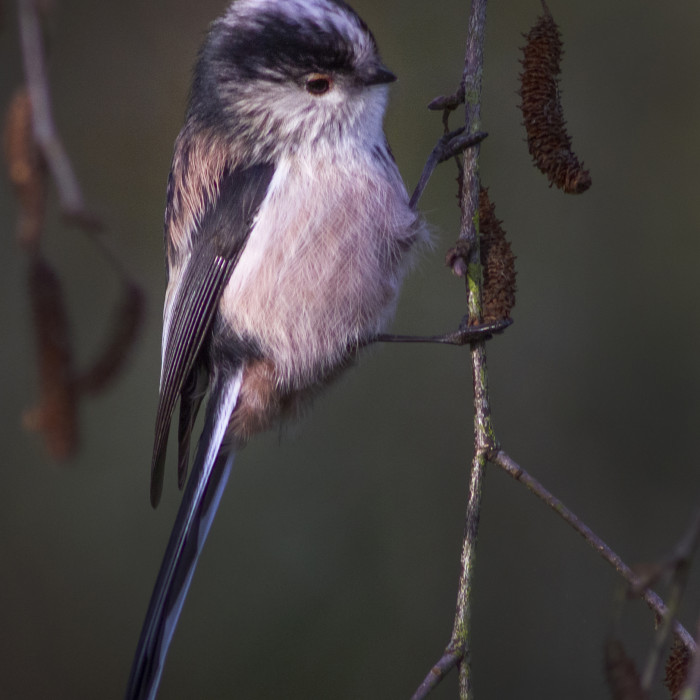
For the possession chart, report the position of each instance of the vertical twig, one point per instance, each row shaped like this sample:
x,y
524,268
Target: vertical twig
x,y
470,90
466,262
483,434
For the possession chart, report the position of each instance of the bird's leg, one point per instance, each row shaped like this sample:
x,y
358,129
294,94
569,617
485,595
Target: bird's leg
x,y
464,335
451,144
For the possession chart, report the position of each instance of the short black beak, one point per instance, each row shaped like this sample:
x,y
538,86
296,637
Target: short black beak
x,y
378,75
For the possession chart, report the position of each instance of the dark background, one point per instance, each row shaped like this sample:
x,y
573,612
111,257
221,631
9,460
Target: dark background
x,y
331,570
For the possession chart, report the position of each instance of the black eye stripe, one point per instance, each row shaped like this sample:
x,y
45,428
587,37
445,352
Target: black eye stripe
x,y
279,43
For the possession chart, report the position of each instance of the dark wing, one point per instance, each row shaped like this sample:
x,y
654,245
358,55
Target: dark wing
x,y
191,398
216,247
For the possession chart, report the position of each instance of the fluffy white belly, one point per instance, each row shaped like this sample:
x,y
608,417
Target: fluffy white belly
x,y
321,275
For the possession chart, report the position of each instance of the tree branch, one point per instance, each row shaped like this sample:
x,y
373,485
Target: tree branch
x,y
47,139
45,133
466,263
653,601
33,141
448,661
469,92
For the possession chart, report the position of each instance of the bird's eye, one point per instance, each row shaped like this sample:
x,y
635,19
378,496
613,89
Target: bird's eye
x,y
318,84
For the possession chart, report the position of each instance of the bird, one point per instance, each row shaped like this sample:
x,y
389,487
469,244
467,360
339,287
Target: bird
x,y
288,231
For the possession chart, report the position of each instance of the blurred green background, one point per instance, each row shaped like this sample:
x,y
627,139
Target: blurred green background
x,y
331,570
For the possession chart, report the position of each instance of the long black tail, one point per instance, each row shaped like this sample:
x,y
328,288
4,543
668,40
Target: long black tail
x,y
210,471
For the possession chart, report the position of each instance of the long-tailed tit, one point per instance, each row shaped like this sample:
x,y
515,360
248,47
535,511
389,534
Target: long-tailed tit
x,y
287,233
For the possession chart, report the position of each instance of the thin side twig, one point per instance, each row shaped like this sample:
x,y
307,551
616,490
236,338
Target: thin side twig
x,y
70,195
653,601
679,564
45,133
448,661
